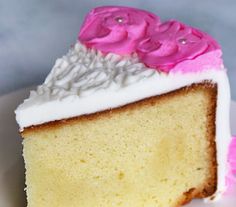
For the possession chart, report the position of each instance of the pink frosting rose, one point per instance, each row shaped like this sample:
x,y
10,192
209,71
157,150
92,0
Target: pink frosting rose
x,y
117,29
231,177
175,43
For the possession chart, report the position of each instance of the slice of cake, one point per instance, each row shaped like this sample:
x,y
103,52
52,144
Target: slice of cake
x,y
136,114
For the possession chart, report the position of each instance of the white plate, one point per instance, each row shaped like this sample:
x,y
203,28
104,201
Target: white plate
x,y
11,162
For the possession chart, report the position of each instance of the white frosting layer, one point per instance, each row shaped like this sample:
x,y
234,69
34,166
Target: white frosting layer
x,y
84,82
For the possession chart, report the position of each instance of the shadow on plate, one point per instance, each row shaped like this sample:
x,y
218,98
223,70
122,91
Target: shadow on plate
x,y
14,184
12,170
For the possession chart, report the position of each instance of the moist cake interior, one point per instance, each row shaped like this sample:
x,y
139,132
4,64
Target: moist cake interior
x,y
143,154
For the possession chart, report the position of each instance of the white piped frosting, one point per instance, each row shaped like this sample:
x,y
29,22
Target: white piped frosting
x,y
83,72
85,81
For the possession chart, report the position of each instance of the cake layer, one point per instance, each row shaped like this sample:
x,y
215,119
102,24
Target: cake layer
x,y
156,152
66,104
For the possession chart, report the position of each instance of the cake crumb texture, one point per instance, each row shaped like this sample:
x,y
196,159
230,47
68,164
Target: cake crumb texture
x,y
158,152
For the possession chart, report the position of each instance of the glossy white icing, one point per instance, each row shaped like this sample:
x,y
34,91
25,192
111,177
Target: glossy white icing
x,y
84,82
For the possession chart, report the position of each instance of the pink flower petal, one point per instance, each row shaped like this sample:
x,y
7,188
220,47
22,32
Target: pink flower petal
x,y
117,29
231,177
178,44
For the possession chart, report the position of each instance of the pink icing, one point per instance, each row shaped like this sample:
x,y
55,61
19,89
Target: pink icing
x,y
231,177
175,43
117,29
203,62
167,47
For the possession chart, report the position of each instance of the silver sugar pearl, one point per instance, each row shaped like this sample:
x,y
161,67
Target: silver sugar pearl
x,y
183,41
119,19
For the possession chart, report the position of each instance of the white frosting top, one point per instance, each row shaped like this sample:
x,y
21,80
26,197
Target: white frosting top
x,y
83,72
85,81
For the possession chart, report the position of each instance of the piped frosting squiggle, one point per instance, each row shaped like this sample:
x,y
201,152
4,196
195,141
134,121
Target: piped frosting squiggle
x,y
84,71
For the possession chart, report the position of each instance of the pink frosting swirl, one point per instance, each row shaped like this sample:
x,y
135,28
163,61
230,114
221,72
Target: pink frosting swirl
x,y
175,43
117,29
231,177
